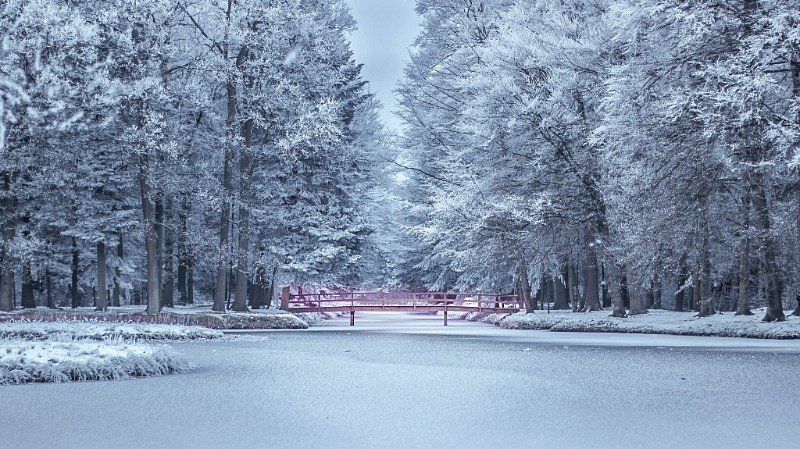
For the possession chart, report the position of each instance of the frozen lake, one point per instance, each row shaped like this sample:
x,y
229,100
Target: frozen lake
x,y
406,381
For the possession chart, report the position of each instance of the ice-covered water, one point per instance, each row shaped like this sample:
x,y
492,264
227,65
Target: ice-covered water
x,y
408,382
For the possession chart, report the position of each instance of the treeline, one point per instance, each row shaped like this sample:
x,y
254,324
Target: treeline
x,y
153,151
622,153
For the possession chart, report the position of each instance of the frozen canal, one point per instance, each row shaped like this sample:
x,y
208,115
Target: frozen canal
x,y
407,382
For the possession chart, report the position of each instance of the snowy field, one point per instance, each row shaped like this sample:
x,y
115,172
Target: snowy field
x,y
654,322
403,381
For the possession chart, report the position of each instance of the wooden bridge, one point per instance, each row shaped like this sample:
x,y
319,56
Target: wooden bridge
x,y
444,302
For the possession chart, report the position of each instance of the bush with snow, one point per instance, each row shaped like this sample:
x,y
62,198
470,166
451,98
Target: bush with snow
x,y
654,322
75,330
63,361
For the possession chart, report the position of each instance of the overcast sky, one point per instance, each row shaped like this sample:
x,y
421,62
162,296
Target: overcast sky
x,y
386,28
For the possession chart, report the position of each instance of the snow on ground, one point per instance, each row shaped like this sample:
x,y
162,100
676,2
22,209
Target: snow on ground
x,y
190,316
74,330
654,322
63,361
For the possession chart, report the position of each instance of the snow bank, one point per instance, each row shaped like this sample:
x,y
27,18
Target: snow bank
x,y
257,319
74,330
312,318
64,361
655,322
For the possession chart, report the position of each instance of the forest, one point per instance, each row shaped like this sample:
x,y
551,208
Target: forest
x,y
585,154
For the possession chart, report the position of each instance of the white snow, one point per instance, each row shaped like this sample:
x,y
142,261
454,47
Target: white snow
x,y
62,361
69,330
654,322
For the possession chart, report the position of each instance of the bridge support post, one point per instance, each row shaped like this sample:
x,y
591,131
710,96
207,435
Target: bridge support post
x,y
352,317
445,313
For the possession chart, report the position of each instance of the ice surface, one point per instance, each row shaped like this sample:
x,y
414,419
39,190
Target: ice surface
x,y
398,381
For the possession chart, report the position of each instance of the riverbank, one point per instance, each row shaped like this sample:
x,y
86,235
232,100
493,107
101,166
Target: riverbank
x,y
186,316
655,322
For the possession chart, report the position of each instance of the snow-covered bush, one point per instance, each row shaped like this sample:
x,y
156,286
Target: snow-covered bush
x,y
77,330
64,361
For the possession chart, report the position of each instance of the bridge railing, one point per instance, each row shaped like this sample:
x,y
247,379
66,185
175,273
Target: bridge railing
x,y
338,301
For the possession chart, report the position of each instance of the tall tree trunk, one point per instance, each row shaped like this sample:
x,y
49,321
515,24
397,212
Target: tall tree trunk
x,y
227,191
73,286
169,250
573,286
160,231
183,253
683,277
635,296
150,238
707,299
190,281
102,288
242,261
612,271
743,302
795,66
772,287
48,280
560,298
525,287
28,295
656,286
591,292
116,301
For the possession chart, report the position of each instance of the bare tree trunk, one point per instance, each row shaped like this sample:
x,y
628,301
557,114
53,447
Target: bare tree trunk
x,y
190,281
102,288
48,280
795,65
150,238
743,302
227,191
183,253
657,288
772,287
573,286
28,300
116,301
242,262
73,287
560,298
707,300
683,275
635,297
525,286
611,272
169,249
591,274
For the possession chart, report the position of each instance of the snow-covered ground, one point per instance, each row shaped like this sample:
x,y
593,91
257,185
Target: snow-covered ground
x,y
63,361
397,380
200,315
69,330
654,322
